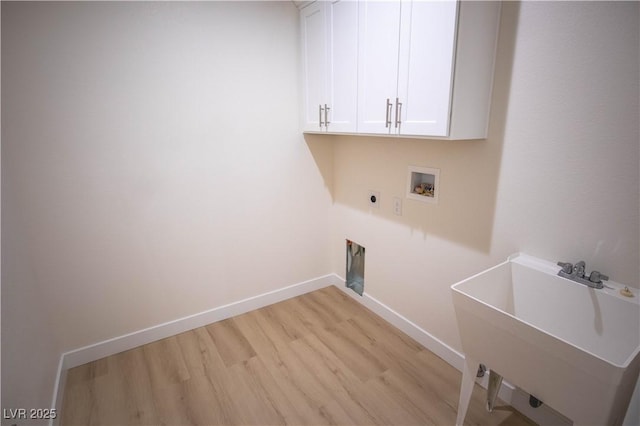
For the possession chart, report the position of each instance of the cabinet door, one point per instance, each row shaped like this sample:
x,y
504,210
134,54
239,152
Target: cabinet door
x,y
379,29
342,75
314,69
425,66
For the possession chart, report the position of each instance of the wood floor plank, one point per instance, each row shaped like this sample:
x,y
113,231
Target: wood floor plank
x,y
390,407
87,372
335,377
204,364
251,402
231,344
110,401
286,404
273,348
308,314
334,414
79,400
435,410
137,387
199,352
284,321
185,403
355,356
263,331
434,373
332,309
316,359
379,331
165,362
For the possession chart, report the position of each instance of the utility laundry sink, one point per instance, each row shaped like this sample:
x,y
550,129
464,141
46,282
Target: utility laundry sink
x,y
573,347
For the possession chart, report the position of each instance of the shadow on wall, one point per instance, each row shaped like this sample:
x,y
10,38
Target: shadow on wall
x,y
469,169
321,147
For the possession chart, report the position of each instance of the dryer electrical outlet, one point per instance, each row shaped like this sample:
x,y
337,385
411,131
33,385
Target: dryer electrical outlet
x,y
374,199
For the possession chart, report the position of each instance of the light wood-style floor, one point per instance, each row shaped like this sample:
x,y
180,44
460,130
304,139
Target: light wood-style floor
x,y
316,359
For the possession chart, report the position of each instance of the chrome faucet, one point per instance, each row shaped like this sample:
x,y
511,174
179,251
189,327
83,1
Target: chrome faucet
x,y
578,269
577,273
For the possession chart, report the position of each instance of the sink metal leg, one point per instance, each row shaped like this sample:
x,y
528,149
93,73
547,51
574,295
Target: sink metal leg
x,y
495,380
466,388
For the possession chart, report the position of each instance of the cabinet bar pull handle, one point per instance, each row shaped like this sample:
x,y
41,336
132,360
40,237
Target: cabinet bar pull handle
x,y
320,115
326,115
387,122
398,112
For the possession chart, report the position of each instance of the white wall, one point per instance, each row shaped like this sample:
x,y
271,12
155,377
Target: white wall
x,y
557,178
570,157
152,169
30,353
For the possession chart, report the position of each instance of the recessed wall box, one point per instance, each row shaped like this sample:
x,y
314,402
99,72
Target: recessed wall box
x,y
423,184
355,267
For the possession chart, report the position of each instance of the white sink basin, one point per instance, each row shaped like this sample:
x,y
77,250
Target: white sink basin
x,y
575,348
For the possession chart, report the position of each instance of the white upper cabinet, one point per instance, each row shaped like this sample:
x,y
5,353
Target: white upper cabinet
x,y
330,53
343,62
405,62
418,68
314,64
475,53
378,48
425,64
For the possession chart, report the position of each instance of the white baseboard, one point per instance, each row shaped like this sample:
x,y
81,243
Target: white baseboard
x,y
513,396
119,344
58,392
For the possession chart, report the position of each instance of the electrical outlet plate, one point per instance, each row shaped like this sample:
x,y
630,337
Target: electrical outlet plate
x,y
397,206
374,199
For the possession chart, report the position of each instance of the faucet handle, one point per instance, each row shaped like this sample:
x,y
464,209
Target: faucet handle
x,y
567,267
597,277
